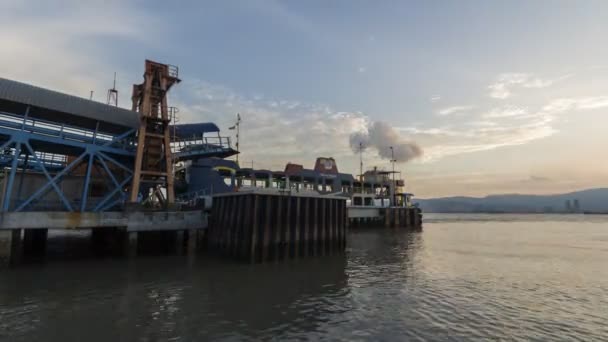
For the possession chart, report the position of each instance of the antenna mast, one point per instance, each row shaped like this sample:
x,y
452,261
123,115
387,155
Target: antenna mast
x,y
113,94
361,162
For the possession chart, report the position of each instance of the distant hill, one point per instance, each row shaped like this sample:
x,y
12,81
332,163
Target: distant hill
x,y
595,200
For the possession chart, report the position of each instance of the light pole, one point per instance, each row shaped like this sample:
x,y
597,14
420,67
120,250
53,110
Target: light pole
x,y
394,184
361,165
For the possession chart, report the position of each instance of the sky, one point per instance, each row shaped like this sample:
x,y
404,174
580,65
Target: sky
x,y
476,97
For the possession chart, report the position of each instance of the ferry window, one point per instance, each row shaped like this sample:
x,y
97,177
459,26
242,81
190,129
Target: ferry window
x,y
357,201
369,201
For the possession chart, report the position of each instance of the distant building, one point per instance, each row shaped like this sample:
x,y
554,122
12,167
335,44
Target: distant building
x,y
568,206
576,206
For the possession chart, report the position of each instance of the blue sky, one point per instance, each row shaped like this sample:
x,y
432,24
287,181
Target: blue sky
x,y
501,96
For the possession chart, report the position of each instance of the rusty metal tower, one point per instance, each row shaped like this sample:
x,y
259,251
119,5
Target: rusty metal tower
x,y
153,161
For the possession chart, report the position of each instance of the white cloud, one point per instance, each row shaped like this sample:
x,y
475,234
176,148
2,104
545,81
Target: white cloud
x,y
435,98
505,112
501,89
454,109
273,132
57,45
567,104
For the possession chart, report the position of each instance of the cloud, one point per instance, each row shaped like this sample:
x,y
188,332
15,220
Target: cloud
x,y
361,69
273,131
506,112
60,45
501,89
454,109
537,179
578,103
387,142
435,98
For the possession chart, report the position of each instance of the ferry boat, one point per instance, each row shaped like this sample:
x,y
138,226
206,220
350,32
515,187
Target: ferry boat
x,y
369,199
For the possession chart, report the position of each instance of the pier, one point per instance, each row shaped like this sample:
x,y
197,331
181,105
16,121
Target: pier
x,y
142,183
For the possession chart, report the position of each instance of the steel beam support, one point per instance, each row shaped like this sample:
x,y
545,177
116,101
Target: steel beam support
x,y
58,176
107,170
111,194
11,178
121,165
120,137
51,181
87,179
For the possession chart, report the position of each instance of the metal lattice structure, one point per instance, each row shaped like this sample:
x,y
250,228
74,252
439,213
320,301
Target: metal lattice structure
x,y
64,153
153,159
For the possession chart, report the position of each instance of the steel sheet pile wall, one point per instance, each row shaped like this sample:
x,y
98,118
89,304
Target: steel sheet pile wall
x,y
394,217
402,217
264,227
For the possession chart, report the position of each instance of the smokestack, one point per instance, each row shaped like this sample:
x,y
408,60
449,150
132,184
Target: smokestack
x,y
380,136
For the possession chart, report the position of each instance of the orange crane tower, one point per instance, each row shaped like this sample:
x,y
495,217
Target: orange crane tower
x,y
153,160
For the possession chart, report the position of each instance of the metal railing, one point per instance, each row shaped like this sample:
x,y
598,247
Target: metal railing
x,y
44,128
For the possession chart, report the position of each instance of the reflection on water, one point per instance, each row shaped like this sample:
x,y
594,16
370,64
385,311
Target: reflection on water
x,y
461,278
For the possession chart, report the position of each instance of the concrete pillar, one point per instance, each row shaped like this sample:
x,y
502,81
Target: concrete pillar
x,y
131,244
179,242
34,241
10,247
192,242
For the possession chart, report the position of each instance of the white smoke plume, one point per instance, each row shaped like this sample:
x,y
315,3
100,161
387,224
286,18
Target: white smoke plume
x,y
381,136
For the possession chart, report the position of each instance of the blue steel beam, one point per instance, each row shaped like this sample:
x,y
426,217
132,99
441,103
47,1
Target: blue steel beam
x,y
11,179
44,188
50,179
108,171
85,188
105,156
111,194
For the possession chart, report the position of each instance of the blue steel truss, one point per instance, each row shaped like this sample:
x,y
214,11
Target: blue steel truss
x,y
58,150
